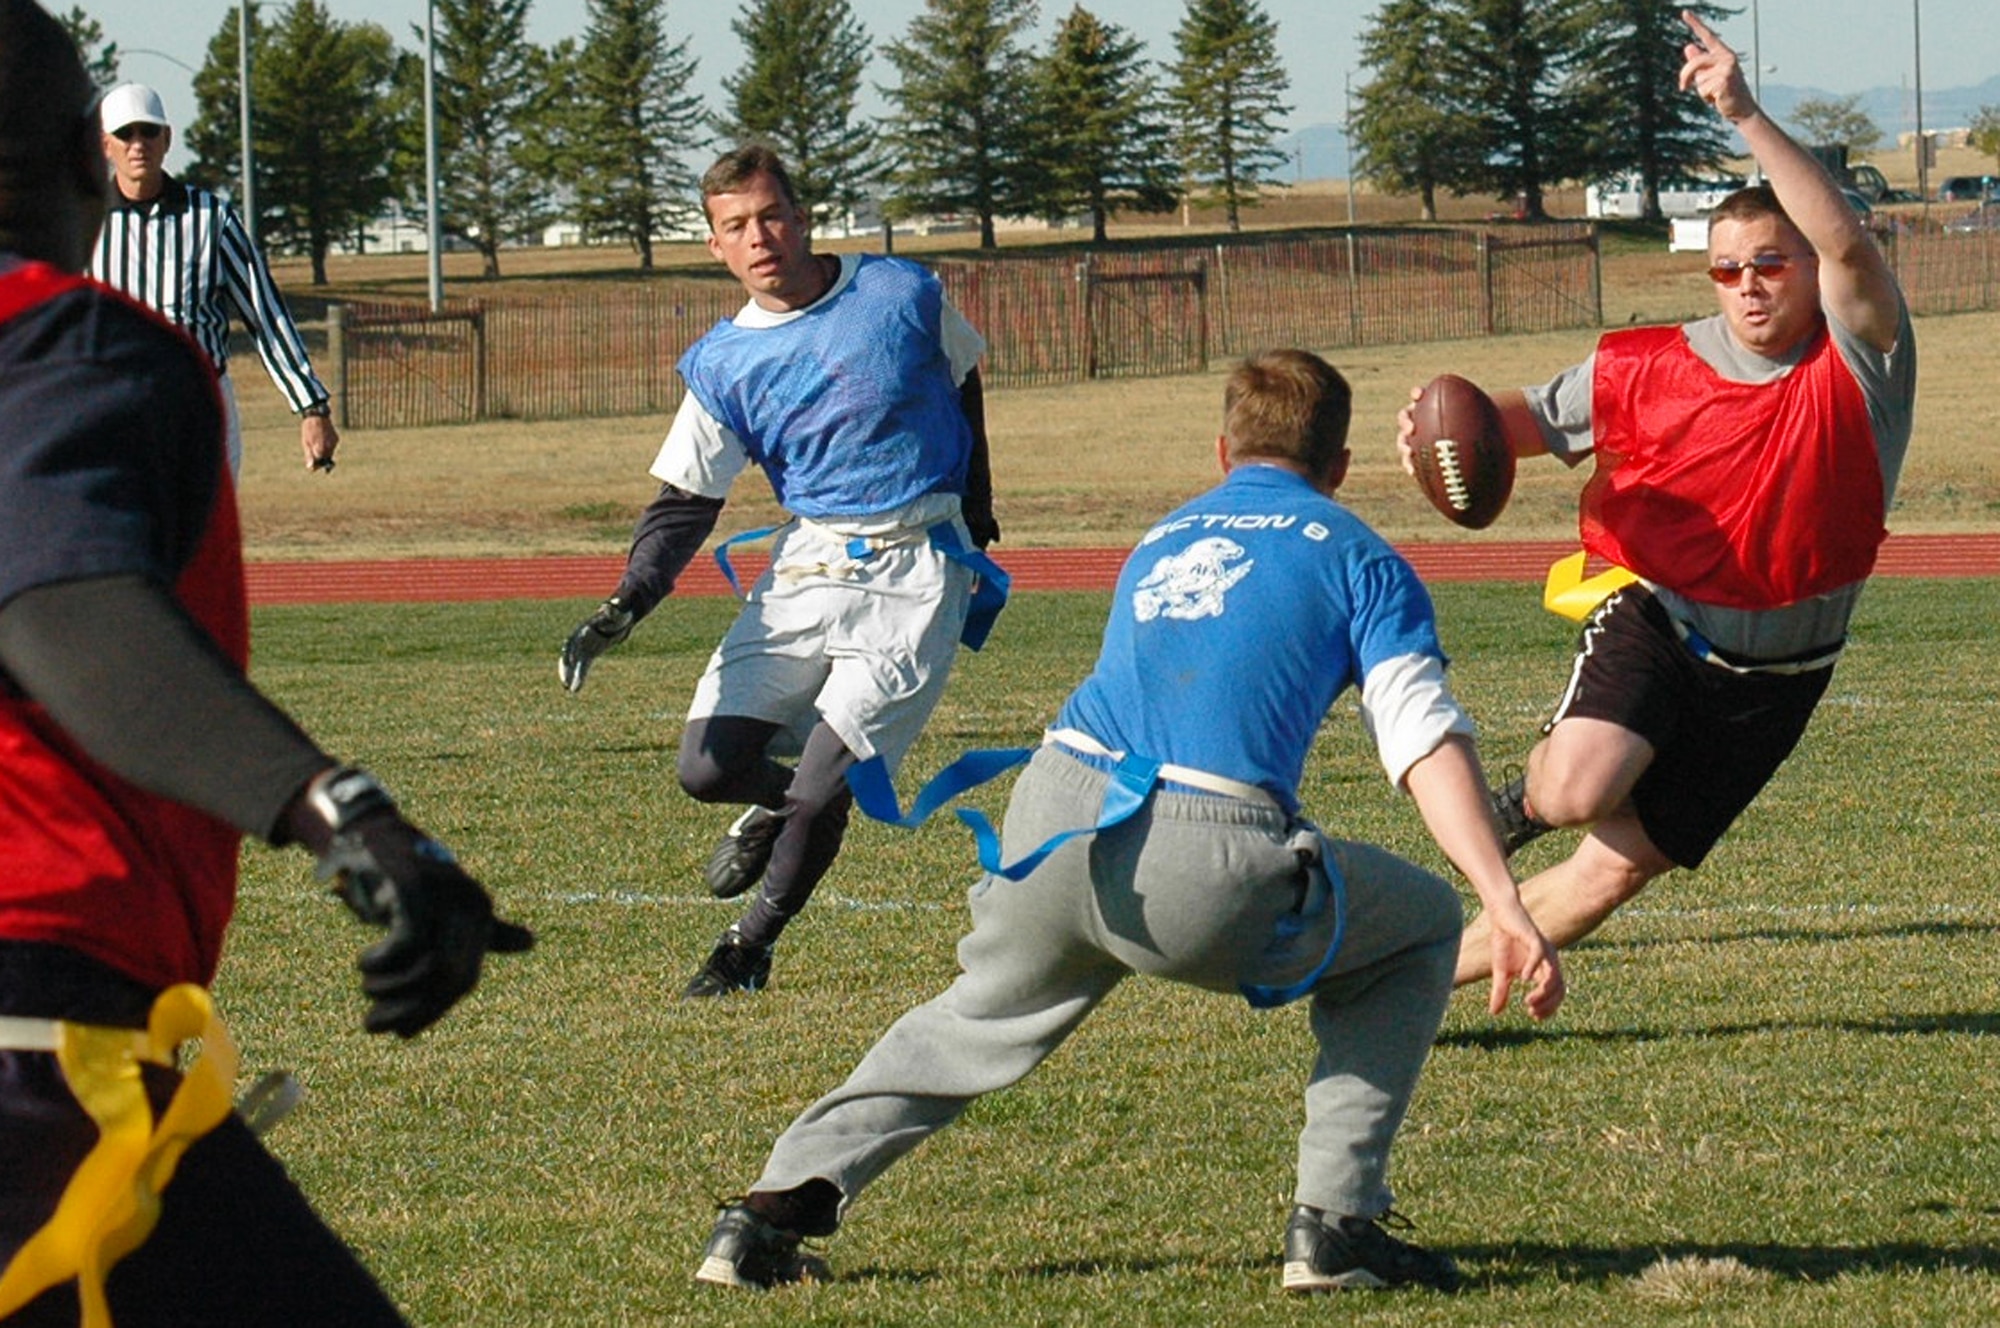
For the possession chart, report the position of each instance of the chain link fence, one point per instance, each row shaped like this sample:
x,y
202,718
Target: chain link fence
x,y
1120,312
1132,311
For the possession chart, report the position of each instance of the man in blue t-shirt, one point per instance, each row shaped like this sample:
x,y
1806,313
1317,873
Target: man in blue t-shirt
x,y
853,385
1236,623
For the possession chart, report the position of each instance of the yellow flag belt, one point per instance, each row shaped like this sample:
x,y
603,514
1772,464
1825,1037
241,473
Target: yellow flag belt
x,y
1572,594
113,1200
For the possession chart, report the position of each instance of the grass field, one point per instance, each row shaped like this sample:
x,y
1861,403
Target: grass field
x,y
1774,1078
1768,1102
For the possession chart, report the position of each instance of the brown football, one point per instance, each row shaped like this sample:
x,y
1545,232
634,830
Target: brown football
x,y
1463,464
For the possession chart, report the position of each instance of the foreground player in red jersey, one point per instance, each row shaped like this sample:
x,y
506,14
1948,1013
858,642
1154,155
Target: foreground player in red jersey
x,y
134,755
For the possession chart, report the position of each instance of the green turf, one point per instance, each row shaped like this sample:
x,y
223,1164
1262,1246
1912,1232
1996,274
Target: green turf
x,y
1786,1060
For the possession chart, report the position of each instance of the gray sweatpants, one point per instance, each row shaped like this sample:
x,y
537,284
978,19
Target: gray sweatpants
x,y
1193,888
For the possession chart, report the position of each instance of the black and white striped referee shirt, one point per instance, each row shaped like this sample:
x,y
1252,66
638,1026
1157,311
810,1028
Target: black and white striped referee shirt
x,y
185,253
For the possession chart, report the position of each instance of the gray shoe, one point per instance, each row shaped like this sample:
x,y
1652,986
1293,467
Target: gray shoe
x,y
733,965
1333,1254
742,854
747,1252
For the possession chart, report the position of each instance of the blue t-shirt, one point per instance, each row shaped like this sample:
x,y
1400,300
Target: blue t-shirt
x,y
851,408
1236,623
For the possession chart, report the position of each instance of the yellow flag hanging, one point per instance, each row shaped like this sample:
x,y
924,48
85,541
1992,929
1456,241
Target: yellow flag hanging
x,y
112,1201
1571,594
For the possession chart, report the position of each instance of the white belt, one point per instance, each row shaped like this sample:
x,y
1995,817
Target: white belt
x,y
856,547
22,1034
1704,650
1085,745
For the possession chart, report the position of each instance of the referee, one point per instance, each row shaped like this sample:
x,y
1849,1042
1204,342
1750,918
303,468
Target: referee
x,y
185,252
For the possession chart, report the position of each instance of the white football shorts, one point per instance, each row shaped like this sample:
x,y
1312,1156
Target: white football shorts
x,y
864,642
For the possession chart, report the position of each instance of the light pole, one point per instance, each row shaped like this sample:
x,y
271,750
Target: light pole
x,y
1756,58
1347,139
243,120
1917,52
434,229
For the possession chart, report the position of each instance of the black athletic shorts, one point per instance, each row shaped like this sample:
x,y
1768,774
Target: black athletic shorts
x,y
237,1243
1718,735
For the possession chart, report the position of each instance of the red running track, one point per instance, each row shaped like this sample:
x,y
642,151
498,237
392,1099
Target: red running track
x,y
586,576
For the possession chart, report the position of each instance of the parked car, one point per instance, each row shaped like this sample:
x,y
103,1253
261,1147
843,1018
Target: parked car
x,y
1985,217
1965,188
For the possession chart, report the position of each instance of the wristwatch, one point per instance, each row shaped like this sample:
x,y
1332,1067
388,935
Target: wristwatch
x,y
320,409
343,795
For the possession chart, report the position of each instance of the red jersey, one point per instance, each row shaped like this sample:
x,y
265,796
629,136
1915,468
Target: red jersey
x,y
1748,495
87,859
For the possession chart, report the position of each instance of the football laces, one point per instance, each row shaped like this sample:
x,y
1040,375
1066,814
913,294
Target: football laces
x,y
1453,475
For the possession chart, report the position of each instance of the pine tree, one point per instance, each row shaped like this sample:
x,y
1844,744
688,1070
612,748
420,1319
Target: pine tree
x,y
1229,93
796,92
632,122
212,134
1509,66
1630,74
1102,138
484,79
1405,128
321,90
100,57
958,134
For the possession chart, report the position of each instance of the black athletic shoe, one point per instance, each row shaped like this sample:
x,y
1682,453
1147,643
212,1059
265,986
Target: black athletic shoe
x,y
742,853
1510,811
1356,1252
746,1251
733,965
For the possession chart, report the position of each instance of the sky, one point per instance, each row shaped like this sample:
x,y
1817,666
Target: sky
x,y
1839,47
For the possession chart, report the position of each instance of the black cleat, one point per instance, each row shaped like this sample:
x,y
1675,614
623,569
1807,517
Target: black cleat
x,y
1358,1253
733,965
746,1251
1518,828
742,853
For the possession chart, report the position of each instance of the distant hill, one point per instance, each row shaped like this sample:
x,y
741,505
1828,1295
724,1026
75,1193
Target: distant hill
x,y
1319,151
1894,109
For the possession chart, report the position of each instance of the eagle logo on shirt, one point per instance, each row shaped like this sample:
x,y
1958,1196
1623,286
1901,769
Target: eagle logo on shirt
x,y
1190,585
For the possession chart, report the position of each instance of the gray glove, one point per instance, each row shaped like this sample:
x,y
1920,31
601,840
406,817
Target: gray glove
x,y
610,624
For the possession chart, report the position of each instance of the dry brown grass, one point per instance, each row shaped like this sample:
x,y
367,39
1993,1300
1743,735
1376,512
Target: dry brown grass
x,y
1075,465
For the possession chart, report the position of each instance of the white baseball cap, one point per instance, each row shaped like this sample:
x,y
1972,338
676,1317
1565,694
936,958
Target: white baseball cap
x,y
132,103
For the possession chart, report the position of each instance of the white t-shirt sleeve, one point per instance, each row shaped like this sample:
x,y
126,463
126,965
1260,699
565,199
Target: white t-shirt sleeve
x,y
700,454
962,343
1408,709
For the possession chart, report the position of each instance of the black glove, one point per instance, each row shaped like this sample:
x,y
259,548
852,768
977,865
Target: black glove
x,y
391,874
983,526
610,624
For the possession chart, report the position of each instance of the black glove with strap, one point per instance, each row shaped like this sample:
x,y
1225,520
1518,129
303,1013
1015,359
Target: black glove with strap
x,y
603,629
391,874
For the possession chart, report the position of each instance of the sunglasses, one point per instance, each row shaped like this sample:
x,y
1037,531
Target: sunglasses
x,y
1728,272
126,133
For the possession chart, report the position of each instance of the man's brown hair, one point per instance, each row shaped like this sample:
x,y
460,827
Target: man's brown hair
x,y
1748,204
1287,405
735,168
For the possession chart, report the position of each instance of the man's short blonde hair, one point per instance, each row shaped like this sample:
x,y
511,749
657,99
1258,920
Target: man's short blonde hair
x,y
1287,405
